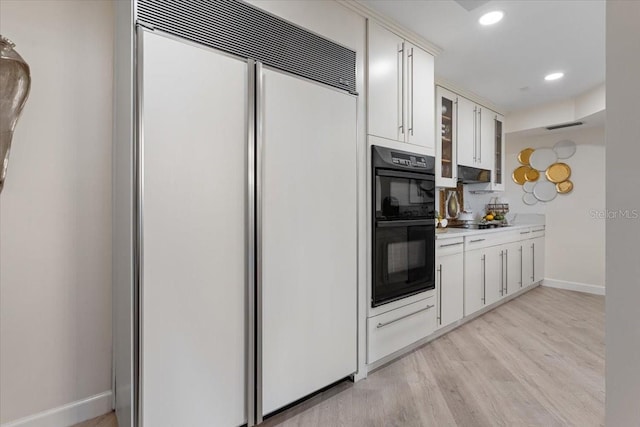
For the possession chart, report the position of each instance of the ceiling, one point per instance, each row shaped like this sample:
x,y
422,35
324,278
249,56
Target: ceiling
x,y
506,63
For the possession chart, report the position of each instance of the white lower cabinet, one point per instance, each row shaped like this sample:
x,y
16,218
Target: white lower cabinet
x,y
513,268
396,329
449,282
538,259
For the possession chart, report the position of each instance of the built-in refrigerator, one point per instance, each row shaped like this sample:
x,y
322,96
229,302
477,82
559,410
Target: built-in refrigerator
x,y
243,238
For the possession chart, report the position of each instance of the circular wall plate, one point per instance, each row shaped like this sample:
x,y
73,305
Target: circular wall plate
x,y
524,156
542,158
558,172
545,191
529,199
520,174
532,175
528,186
565,148
564,187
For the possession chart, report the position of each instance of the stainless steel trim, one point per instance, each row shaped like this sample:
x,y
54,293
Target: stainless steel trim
x,y
480,135
401,69
259,100
412,92
138,223
440,295
477,240
484,279
506,271
451,244
475,133
251,248
381,325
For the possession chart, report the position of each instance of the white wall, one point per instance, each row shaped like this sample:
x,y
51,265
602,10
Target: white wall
x,y
575,236
55,210
623,234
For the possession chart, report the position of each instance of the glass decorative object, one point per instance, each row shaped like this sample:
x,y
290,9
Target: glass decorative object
x,y
15,82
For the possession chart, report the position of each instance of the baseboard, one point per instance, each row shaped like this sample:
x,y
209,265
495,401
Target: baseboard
x,y
574,286
69,414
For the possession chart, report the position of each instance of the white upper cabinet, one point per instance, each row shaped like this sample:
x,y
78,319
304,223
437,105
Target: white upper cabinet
x,y
466,144
400,89
499,167
486,123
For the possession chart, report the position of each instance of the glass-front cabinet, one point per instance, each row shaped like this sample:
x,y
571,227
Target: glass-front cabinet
x,y
498,179
446,137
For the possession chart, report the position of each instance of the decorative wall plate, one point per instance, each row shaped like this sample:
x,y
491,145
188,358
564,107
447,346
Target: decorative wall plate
x,y
529,199
542,158
528,186
524,156
565,148
520,174
545,191
532,175
564,187
558,172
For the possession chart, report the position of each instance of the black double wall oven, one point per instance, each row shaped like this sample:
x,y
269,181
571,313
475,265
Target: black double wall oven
x,y
403,210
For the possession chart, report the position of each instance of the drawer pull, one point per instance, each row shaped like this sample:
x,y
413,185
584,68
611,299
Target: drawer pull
x,y
536,231
451,244
380,325
477,240
525,232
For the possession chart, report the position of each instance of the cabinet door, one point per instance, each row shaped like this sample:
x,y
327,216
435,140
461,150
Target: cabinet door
x,y
493,274
386,81
486,123
538,259
450,288
498,178
513,268
474,281
527,262
446,123
421,98
466,132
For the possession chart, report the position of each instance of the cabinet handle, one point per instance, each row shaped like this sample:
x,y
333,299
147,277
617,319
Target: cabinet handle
x,y
451,244
440,295
480,135
401,55
506,271
536,231
381,325
521,267
501,273
484,279
525,232
412,93
533,273
477,240
475,133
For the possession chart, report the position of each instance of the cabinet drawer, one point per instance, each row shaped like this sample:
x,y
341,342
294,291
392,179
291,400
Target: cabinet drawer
x,y
479,241
394,330
537,231
449,246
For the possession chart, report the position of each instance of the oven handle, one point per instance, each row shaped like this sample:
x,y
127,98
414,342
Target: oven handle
x,y
403,174
405,223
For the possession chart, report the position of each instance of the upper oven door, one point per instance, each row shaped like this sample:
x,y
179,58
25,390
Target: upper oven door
x,y
404,258
403,195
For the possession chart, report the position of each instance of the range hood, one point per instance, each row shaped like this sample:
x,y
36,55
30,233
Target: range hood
x,y
469,175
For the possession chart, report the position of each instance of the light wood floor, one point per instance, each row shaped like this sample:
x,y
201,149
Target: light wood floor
x,y
535,361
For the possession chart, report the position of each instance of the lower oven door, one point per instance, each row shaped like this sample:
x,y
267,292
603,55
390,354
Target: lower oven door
x,y
404,258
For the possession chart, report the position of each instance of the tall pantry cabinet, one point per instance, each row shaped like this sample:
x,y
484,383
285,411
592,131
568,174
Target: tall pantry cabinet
x,y
230,311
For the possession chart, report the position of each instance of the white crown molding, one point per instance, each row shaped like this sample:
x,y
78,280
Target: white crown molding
x,y
392,25
574,286
453,87
69,414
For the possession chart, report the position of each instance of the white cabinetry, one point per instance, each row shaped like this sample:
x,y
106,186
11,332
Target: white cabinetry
x,y
400,89
476,135
446,138
449,281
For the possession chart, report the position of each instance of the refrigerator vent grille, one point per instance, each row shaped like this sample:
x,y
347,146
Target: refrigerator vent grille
x,y
241,29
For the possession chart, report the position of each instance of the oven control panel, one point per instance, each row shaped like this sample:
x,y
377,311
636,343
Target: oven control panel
x,y
408,160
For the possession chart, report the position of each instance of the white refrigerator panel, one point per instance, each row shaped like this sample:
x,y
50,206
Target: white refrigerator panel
x,y
193,265
309,238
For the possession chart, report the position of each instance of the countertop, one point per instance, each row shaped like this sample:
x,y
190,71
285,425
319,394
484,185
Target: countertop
x,y
463,232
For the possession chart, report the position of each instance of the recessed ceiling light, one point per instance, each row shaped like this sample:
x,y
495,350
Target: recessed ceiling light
x,y
491,17
553,76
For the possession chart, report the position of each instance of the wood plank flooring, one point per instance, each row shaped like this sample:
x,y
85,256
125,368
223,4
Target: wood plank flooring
x,y
537,360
